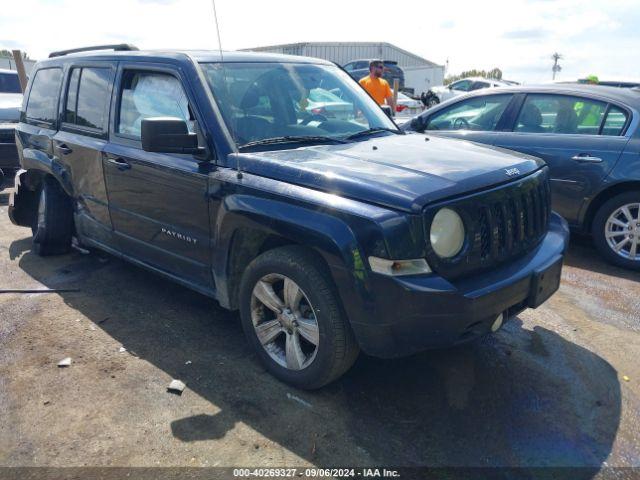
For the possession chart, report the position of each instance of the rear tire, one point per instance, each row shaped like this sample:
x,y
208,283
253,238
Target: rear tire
x,y
617,223
318,316
52,226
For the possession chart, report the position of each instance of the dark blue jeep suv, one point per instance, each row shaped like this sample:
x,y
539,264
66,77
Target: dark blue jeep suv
x,y
329,235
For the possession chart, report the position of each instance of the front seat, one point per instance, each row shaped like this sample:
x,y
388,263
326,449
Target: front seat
x,y
251,127
531,120
566,120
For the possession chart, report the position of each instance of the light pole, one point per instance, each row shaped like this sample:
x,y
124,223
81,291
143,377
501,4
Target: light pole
x,y
556,68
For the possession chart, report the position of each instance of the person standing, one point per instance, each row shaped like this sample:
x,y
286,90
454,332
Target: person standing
x,y
377,86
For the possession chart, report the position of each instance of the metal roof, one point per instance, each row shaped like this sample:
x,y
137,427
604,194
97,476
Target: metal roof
x,y
404,57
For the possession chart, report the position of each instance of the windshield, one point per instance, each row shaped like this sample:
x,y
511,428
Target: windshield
x,y
262,101
9,83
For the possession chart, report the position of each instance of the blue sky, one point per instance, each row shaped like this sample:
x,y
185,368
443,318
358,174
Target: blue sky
x,y
518,36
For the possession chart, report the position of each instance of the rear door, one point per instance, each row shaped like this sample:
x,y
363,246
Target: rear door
x,y
580,138
476,118
158,202
39,122
80,140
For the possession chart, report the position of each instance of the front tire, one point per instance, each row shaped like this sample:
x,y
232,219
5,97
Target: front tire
x,y
293,319
52,226
616,230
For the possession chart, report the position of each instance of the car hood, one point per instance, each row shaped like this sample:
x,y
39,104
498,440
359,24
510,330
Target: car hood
x,y
10,107
404,172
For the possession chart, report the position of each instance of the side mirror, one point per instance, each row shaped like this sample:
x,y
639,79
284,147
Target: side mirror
x,y
387,110
417,124
168,135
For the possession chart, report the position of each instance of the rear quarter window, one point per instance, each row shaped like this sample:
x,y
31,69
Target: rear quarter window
x,y
43,97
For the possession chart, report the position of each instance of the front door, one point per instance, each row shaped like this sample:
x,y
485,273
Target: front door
x,y
579,138
474,119
158,202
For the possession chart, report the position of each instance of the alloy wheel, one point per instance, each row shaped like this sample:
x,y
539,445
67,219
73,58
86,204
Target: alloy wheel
x,y
622,231
284,321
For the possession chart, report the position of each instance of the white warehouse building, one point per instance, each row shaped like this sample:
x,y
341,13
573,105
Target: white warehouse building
x,y
420,74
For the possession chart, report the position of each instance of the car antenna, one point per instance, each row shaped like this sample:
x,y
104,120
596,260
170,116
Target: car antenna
x,y
224,73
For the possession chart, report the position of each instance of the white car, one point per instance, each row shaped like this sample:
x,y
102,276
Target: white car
x,y
459,87
407,105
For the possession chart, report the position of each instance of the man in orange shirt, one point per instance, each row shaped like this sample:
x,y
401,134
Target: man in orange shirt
x,y
377,86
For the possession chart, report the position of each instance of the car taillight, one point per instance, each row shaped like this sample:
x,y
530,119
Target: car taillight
x,y
400,108
318,111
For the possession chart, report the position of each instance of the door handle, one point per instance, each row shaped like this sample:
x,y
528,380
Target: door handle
x,y
586,158
64,149
119,162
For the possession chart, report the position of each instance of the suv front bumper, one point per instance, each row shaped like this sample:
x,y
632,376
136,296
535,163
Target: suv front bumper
x,y
402,315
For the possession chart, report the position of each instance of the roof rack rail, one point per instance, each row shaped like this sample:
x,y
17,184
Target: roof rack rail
x,y
116,47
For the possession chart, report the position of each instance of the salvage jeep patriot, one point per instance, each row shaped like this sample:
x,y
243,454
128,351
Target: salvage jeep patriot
x,y
330,230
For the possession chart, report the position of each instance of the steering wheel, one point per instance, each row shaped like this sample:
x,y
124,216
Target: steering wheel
x,y
460,123
312,117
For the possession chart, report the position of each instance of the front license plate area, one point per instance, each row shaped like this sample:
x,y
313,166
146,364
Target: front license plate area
x,y
544,284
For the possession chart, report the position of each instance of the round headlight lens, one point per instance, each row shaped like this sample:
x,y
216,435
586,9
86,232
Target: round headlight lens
x,y
447,233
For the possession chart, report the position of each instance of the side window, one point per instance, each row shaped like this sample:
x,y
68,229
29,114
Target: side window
x,y
462,85
478,113
361,65
479,85
542,113
147,95
43,97
615,122
87,97
349,67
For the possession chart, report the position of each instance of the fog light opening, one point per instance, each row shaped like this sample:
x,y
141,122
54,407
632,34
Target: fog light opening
x,y
497,323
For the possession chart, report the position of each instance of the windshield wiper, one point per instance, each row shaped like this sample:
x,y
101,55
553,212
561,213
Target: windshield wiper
x,y
293,139
371,131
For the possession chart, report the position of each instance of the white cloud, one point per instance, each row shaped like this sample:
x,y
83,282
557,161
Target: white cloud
x,y
517,36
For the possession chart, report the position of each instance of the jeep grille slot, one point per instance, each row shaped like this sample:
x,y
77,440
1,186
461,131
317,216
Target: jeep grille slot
x,y
501,224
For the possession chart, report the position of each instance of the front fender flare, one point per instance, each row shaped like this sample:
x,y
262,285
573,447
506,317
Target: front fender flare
x,y
328,235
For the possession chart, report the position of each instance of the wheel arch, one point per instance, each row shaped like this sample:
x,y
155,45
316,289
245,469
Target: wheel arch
x,y
249,226
603,196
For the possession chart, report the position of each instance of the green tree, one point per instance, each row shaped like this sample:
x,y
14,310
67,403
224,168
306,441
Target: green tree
x,y
495,73
7,54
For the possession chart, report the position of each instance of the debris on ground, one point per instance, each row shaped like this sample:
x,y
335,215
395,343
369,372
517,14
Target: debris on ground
x,y
299,400
122,350
188,362
176,386
625,378
65,362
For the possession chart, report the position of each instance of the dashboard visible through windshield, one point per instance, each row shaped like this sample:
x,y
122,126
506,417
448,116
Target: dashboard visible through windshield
x,y
278,103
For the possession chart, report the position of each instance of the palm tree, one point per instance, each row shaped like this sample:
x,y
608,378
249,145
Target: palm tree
x,y
556,68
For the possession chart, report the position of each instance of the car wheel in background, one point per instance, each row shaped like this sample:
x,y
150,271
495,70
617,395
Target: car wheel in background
x,y
616,230
53,223
292,317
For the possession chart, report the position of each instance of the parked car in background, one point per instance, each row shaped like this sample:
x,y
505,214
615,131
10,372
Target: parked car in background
x,y
329,236
408,106
587,134
360,68
606,82
324,104
10,102
440,94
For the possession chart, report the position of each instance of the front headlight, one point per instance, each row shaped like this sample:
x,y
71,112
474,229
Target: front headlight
x,y
447,233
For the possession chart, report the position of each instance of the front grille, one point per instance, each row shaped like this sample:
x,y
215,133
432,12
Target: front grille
x,y
501,224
